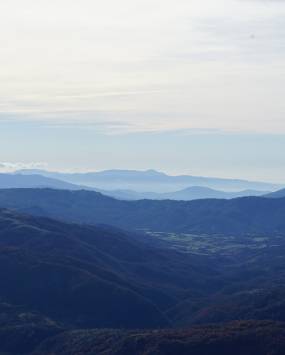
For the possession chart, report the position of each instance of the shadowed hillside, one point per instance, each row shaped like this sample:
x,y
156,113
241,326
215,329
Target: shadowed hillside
x,y
64,271
93,276
56,278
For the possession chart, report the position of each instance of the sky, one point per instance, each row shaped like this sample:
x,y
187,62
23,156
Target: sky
x,y
184,86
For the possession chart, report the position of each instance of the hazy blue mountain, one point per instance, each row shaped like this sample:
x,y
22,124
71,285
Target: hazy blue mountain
x,y
198,192
42,181
248,215
33,181
151,180
188,194
276,194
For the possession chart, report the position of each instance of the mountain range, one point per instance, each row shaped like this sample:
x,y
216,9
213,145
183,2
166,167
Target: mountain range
x,y
241,216
86,287
34,181
151,180
72,281
276,194
190,193
59,281
57,276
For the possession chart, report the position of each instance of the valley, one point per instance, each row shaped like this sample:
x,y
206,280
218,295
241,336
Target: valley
x,y
58,277
217,244
81,267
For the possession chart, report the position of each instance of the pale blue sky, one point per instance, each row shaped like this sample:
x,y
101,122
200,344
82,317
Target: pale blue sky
x,y
185,87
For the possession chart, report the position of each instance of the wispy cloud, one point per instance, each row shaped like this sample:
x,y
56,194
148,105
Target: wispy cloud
x,y
144,66
12,166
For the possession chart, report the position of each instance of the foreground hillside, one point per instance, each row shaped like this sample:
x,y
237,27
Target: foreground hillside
x,y
94,276
28,333
74,275
240,338
248,215
57,278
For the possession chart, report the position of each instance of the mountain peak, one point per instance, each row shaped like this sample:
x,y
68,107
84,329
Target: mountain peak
x,y
155,172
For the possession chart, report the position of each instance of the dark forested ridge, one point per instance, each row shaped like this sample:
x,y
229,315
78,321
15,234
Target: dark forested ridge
x,y
89,276
76,275
248,215
57,277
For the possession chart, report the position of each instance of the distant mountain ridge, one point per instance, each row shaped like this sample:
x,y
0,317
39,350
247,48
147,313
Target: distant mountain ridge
x,y
151,180
33,181
59,280
188,194
248,215
276,194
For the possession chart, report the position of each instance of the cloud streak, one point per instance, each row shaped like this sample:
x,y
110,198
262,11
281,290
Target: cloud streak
x,y
144,66
12,166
